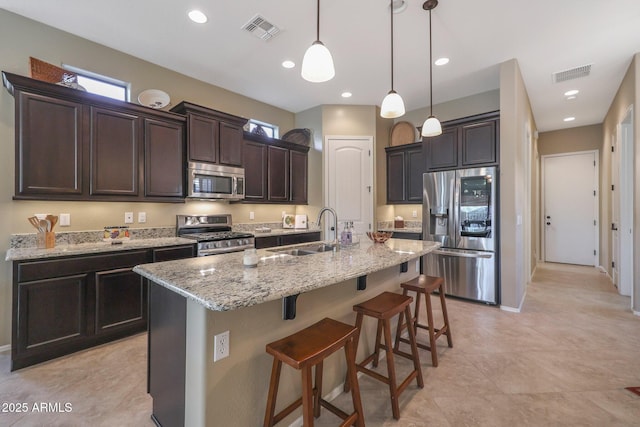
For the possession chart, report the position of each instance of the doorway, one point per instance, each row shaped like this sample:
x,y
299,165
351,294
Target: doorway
x,y
570,207
348,180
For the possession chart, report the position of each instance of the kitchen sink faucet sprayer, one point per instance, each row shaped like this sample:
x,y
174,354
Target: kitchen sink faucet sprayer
x,y
335,242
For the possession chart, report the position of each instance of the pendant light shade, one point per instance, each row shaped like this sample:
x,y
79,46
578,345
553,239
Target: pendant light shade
x,y
317,64
392,104
431,126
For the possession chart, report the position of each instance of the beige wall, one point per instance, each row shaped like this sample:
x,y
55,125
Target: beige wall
x,y
628,95
583,138
517,130
24,38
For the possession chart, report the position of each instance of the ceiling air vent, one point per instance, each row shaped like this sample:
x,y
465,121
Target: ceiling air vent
x,y
573,73
261,28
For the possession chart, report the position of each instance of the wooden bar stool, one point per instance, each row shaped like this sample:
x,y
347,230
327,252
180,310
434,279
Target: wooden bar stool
x,y
425,285
383,307
304,350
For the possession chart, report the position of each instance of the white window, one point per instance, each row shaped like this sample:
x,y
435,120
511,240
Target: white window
x,y
263,128
101,85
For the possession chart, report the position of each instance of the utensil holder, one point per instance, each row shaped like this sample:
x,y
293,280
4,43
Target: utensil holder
x,y
46,240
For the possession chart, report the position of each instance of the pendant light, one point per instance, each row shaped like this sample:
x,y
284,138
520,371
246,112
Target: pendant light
x,y
392,104
317,64
431,126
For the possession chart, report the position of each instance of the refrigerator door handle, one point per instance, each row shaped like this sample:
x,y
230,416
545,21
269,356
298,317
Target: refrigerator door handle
x,y
465,254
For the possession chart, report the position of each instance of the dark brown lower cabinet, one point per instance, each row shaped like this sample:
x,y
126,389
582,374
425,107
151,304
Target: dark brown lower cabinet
x,y
286,239
62,305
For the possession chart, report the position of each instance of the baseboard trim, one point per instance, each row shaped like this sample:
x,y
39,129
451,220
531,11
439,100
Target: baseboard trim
x,y
637,313
4,348
514,309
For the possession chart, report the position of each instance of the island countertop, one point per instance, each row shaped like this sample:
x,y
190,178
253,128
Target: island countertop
x,y
222,283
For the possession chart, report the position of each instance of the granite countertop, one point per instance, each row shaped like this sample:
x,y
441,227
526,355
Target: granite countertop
x,y
18,254
222,283
402,230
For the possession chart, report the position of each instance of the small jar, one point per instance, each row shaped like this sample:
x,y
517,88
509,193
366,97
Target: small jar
x,y
250,258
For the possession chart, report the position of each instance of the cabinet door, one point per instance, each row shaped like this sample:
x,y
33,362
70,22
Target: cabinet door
x,y
49,145
164,158
442,151
120,301
114,152
479,143
51,314
202,138
230,144
255,171
267,242
293,239
278,174
413,173
298,177
396,177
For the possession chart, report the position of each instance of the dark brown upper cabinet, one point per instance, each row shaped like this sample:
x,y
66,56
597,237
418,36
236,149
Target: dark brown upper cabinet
x,y
212,136
74,145
467,142
276,171
405,167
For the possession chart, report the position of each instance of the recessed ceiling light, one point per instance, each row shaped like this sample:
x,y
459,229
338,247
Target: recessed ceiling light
x,y
346,94
197,16
569,98
569,119
442,61
571,92
288,64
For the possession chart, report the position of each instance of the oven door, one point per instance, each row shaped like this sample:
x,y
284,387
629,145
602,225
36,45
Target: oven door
x,y
215,182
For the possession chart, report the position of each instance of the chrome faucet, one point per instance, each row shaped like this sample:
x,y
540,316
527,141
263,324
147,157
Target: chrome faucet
x,y
335,243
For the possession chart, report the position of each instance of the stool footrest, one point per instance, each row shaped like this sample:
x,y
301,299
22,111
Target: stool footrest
x,y
373,374
286,411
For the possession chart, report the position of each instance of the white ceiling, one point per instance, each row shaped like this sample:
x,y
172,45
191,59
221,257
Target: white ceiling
x,y
545,36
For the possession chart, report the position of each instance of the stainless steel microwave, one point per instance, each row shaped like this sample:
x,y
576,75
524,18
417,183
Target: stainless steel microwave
x,y
207,181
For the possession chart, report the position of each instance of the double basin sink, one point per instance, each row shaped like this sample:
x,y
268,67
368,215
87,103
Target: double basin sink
x,y
314,248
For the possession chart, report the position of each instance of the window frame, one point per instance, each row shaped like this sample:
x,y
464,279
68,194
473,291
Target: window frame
x,y
102,78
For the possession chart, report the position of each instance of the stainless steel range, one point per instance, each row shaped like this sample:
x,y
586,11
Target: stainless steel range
x,y
213,234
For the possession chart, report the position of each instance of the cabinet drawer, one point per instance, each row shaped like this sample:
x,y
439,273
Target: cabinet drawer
x,y
177,252
36,270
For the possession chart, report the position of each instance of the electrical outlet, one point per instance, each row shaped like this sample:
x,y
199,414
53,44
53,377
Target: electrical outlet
x,y
252,215
414,214
65,220
142,217
221,346
128,217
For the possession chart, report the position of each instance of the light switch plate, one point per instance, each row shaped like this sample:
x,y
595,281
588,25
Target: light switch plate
x,y
142,217
65,220
252,215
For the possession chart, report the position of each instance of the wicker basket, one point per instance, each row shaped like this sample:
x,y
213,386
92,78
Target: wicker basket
x,y
50,73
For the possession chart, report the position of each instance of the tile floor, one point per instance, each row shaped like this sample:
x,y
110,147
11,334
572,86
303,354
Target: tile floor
x,y
563,361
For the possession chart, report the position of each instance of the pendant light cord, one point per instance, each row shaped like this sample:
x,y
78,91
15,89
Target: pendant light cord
x,y
391,7
430,68
318,23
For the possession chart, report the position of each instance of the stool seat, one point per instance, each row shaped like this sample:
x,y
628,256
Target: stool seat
x,y
425,285
383,307
305,350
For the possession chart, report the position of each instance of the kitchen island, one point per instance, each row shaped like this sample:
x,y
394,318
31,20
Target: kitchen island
x,y
191,301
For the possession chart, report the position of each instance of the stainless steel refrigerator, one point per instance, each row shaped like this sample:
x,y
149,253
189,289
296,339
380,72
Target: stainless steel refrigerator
x,y
459,211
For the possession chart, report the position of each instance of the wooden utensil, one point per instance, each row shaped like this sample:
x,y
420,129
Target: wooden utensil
x,y
53,219
33,220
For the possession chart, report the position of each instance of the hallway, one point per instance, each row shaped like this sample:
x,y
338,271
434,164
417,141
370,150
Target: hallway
x,y
564,361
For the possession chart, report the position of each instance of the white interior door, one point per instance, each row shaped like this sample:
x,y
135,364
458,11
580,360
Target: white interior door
x,y
348,180
571,208
626,201
615,208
